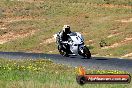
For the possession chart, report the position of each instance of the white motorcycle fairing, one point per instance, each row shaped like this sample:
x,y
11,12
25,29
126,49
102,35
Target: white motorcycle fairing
x,y
76,43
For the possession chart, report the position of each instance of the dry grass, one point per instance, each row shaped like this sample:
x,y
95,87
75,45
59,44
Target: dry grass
x,y
97,20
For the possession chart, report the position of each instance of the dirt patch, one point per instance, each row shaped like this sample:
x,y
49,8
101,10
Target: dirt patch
x,y
90,42
127,55
84,33
112,35
111,6
2,25
48,41
125,20
31,1
3,28
13,36
21,18
126,40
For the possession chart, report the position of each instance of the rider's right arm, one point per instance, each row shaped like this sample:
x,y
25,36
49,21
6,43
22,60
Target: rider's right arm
x,y
60,36
59,39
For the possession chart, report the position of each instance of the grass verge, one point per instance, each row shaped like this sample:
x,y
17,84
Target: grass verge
x,y
41,73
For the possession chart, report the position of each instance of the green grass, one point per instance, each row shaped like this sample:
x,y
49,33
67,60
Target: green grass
x,y
41,73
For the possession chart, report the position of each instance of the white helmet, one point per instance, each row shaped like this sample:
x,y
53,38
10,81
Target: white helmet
x,y
66,28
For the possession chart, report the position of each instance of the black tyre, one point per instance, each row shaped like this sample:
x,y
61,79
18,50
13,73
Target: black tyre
x,y
87,53
81,80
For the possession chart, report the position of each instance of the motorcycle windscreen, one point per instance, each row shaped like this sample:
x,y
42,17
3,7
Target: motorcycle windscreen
x,y
76,40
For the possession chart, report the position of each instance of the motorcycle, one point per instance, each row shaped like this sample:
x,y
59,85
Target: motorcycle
x,y
74,45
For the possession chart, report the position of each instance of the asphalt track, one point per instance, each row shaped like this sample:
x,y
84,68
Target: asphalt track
x,y
95,63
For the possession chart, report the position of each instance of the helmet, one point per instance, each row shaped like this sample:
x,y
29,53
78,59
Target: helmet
x,y
66,28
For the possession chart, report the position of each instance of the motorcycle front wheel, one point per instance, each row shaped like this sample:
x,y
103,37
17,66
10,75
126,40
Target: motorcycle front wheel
x,y
87,53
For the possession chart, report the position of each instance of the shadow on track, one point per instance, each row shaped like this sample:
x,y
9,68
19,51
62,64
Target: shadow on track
x,y
102,59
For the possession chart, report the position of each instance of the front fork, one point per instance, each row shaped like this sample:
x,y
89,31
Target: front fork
x,y
81,49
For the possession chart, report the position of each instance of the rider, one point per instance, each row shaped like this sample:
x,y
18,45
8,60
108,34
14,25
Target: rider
x,y
63,36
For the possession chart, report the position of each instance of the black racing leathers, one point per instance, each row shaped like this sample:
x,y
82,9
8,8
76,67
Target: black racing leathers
x,y
62,36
